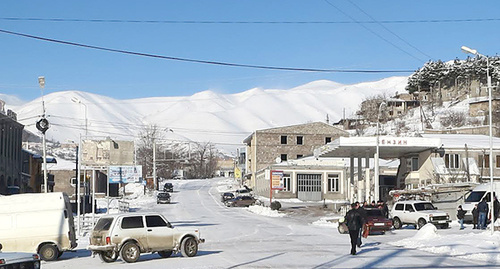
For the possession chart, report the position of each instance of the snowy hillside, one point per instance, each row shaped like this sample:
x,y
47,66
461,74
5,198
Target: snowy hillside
x,y
223,119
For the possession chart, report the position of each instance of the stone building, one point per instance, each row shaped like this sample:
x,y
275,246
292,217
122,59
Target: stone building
x,y
270,146
11,153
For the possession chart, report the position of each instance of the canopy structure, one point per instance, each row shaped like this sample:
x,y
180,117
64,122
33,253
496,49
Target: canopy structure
x,y
390,147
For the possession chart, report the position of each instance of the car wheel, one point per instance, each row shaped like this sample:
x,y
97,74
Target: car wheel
x,y
108,256
421,223
397,223
130,252
189,247
49,252
165,254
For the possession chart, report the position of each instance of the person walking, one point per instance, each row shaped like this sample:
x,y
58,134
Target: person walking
x,y
362,213
461,216
354,222
475,215
483,209
496,208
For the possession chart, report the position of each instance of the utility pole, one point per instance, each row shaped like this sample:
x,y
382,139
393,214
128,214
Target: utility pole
x,y
43,125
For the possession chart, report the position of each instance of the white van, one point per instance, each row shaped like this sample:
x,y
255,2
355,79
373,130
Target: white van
x,y
37,222
476,195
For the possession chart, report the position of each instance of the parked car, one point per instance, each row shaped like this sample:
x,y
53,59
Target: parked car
x,y
376,221
227,196
168,187
241,201
163,198
130,234
19,260
418,213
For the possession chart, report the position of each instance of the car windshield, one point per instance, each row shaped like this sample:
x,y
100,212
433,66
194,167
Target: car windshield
x,y
103,224
163,194
424,206
374,213
475,196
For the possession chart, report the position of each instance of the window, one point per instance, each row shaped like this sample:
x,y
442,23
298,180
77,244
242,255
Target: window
x,y
300,140
498,161
414,164
155,221
284,139
484,160
328,140
409,208
333,183
283,157
299,156
452,160
399,207
132,222
103,224
287,182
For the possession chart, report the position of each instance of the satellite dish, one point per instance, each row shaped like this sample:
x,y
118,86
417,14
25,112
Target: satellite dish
x,y
278,160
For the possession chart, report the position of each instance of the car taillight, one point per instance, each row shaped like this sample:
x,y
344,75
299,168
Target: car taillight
x,y
36,257
2,261
108,240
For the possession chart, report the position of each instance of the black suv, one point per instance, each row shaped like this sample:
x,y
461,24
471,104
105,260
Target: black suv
x,y
168,187
227,196
163,198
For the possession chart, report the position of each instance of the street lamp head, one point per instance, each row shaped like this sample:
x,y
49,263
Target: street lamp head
x,y
41,82
75,100
469,50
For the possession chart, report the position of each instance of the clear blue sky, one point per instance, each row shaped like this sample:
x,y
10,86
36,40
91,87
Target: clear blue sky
x,y
355,45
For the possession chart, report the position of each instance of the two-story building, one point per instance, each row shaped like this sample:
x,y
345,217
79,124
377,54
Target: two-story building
x,y
275,145
11,153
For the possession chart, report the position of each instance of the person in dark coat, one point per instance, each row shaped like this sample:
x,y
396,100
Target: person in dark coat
x,y
475,216
362,213
496,208
461,216
482,208
354,222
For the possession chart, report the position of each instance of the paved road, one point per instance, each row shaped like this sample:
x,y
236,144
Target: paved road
x,y
237,238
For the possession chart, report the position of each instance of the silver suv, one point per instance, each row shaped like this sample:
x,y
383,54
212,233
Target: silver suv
x,y
128,235
418,213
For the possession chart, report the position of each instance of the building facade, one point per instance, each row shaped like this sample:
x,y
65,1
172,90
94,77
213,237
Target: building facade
x,y
270,146
11,153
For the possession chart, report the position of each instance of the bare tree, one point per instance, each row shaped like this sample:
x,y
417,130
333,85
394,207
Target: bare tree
x,y
204,160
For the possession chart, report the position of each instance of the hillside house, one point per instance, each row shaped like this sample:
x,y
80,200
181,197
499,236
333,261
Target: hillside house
x,y
275,145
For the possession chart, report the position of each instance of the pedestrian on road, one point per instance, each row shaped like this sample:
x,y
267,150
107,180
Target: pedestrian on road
x,y
354,222
475,215
482,208
362,213
461,216
496,208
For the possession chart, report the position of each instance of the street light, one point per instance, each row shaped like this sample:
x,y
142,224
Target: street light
x,y
474,52
78,101
43,125
377,164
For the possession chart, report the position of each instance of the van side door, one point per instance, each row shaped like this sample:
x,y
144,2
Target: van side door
x,y
160,233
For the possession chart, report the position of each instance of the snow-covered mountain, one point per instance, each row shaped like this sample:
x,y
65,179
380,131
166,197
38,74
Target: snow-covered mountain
x,y
223,119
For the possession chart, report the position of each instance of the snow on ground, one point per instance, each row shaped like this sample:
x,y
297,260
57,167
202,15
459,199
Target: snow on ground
x,y
265,211
482,246
327,222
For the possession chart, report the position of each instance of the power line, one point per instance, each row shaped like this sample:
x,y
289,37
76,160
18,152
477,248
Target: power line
x,y
245,22
388,30
202,61
373,32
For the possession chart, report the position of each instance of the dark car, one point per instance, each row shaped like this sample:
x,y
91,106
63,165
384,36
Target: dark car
x,y
227,196
241,201
168,187
163,198
376,221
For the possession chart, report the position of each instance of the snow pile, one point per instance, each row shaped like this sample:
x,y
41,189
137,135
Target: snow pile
x,y
265,211
327,222
136,196
475,246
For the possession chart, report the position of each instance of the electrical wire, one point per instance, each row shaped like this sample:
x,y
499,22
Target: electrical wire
x,y
201,61
245,22
389,30
376,34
